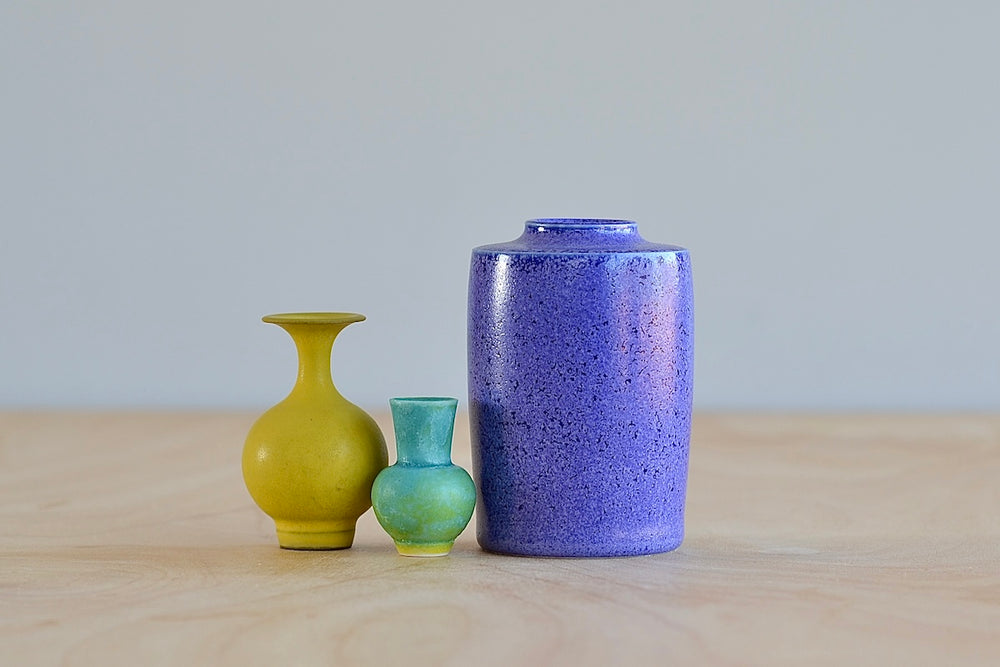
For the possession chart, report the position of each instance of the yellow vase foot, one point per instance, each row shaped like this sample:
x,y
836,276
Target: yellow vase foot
x,y
305,537
424,550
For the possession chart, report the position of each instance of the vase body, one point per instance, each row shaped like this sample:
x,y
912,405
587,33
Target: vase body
x,y
423,501
580,387
309,462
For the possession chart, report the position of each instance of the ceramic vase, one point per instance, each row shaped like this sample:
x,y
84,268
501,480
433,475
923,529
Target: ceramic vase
x,y
580,385
309,462
423,501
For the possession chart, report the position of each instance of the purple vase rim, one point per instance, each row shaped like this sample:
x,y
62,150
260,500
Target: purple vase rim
x,y
596,224
577,236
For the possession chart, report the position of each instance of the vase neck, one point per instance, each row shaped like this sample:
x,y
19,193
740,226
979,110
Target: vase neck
x,y
314,343
579,233
581,228
313,334
424,428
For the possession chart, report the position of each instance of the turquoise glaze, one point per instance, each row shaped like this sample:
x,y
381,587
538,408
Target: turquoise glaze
x,y
423,501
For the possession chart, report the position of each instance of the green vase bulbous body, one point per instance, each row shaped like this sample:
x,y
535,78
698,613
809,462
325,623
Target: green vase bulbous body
x,y
423,501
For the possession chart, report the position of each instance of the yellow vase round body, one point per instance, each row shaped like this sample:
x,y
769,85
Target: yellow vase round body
x,y
310,461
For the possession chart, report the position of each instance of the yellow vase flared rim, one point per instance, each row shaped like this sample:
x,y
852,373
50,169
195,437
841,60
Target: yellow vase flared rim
x,y
313,318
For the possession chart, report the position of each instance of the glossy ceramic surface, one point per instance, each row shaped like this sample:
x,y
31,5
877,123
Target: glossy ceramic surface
x,y
580,386
309,462
423,501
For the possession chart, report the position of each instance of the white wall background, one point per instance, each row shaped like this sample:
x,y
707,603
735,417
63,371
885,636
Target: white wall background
x,y
171,171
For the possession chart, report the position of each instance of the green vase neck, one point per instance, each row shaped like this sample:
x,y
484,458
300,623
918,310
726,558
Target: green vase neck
x,y
424,428
314,334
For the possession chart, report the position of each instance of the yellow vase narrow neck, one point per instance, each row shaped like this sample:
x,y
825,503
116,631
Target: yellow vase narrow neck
x,y
314,335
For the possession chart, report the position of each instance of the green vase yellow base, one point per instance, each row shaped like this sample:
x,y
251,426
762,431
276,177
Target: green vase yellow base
x,y
310,461
431,550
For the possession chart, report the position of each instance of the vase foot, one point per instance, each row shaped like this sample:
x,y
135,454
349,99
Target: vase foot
x,y
313,536
424,550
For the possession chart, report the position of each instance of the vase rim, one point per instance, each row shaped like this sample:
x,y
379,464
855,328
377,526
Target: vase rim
x,y
580,223
313,318
423,399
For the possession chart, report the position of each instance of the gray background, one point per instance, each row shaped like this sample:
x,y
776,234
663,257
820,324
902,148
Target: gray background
x,y
171,171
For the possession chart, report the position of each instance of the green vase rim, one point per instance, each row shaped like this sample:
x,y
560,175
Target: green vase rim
x,y
313,318
424,399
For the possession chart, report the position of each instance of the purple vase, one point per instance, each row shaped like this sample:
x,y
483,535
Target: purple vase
x,y
580,384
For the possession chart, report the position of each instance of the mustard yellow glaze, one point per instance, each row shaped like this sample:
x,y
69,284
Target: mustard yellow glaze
x,y
310,461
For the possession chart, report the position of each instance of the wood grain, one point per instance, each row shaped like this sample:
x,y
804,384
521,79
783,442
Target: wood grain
x,y
129,538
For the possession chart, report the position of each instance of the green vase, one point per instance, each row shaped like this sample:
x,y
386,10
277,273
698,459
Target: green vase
x,y
309,462
423,501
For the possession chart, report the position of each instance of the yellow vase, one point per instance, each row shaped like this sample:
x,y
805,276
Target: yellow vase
x,y
310,461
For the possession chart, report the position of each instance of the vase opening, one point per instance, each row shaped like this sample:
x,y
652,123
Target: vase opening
x,y
583,224
313,318
430,400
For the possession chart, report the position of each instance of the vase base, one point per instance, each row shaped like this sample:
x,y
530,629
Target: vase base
x,y
424,550
307,537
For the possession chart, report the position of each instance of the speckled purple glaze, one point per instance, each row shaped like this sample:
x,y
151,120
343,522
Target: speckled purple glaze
x,y
580,385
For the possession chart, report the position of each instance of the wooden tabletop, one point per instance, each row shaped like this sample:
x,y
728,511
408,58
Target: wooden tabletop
x,y
130,538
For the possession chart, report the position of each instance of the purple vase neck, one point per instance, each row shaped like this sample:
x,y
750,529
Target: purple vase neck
x,y
586,225
578,235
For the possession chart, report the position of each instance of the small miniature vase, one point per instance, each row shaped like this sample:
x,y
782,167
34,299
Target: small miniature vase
x,y
423,501
309,462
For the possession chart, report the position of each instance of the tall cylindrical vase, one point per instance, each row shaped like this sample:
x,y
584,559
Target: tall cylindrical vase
x,y
580,385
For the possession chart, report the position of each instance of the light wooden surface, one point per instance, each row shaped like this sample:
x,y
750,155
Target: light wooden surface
x,y
129,538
